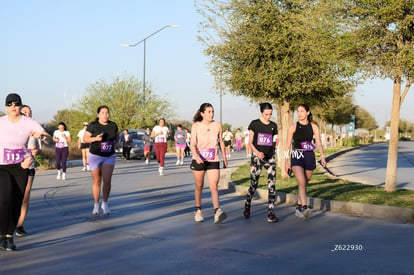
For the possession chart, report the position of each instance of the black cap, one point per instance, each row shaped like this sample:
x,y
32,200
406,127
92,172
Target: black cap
x,y
13,98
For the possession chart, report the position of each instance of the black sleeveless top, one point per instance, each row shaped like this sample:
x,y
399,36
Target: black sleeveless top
x,y
302,133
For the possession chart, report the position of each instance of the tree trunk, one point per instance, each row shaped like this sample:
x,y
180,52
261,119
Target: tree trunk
x,y
391,174
285,120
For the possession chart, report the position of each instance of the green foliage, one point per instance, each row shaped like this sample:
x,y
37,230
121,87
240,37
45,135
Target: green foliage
x,y
275,50
128,107
364,120
350,142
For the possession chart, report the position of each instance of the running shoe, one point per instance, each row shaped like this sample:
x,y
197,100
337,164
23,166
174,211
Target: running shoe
x,y
178,162
219,216
299,213
63,176
84,168
105,208
306,212
10,246
182,162
20,232
198,217
161,171
95,210
87,167
246,212
3,243
271,217
58,175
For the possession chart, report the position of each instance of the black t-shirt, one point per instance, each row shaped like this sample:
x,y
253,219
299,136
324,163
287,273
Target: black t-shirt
x,y
302,133
264,136
106,147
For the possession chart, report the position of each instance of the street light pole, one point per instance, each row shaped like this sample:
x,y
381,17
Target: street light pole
x,y
144,40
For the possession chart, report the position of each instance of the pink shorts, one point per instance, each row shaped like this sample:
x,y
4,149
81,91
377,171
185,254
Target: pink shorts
x,y
147,148
182,146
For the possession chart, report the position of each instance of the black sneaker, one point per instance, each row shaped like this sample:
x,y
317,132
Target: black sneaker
x,y
10,246
246,212
271,217
3,243
20,232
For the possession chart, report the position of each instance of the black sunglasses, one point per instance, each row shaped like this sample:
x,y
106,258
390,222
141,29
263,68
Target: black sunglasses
x,y
8,104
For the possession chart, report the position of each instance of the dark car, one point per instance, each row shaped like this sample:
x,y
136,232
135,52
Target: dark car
x,y
137,147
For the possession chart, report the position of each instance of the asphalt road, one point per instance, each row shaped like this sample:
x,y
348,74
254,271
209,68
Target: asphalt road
x,y
152,231
368,165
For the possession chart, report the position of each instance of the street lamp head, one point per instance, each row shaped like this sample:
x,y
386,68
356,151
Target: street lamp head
x,y
174,26
125,45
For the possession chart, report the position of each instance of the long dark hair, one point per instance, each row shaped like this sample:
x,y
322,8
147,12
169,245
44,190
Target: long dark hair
x,y
265,106
100,108
307,109
64,125
202,109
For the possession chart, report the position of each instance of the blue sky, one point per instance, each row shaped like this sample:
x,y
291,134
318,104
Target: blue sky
x,y
52,50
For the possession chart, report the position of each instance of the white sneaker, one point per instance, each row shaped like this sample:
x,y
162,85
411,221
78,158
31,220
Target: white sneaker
x,y
95,210
87,167
105,208
299,213
182,162
63,176
161,171
178,162
84,168
146,161
198,217
219,216
58,175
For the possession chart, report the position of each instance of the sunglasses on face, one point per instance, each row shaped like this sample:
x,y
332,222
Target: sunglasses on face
x,y
15,103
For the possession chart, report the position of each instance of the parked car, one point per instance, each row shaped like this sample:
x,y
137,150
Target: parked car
x,y
137,147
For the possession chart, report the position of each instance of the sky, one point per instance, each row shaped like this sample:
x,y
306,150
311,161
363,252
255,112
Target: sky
x,y
51,51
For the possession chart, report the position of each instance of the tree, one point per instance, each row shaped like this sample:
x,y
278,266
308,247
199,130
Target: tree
x,y
286,52
125,102
364,120
381,36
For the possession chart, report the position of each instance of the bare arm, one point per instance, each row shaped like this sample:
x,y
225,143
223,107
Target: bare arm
x,y
318,143
288,147
193,144
223,150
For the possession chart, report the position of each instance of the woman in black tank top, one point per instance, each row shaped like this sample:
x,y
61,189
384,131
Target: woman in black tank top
x,y
301,150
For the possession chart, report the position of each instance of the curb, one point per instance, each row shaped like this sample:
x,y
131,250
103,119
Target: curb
x,y
389,213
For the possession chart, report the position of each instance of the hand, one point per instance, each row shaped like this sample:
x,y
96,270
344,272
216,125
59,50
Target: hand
x,y
323,161
260,155
27,162
99,137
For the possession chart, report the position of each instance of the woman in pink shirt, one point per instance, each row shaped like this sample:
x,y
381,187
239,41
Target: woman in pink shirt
x,y
15,160
206,134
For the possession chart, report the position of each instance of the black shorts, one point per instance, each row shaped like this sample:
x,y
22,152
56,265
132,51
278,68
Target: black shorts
x,y
227,143
207,165
304,159
84,145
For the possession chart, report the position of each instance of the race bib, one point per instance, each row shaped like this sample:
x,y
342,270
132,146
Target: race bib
x,y
208,153
60,144
13,156
307,146
160,139
107,147
264,139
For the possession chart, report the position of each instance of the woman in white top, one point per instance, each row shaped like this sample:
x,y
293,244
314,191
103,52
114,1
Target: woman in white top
x,y
206,135
160,134
62,138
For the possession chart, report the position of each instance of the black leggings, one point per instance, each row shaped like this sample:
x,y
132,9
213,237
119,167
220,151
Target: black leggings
x,y
13,180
